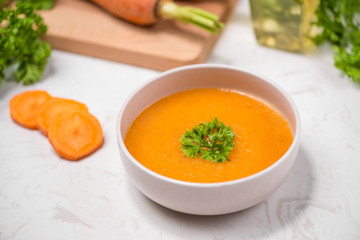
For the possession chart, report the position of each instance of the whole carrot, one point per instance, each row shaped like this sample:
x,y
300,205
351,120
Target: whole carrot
x,y
147,12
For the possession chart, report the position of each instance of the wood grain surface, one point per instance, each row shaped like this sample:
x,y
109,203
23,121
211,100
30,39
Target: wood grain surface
x,y
82,27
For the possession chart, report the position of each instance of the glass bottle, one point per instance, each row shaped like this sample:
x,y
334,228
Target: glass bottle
x,y
284,24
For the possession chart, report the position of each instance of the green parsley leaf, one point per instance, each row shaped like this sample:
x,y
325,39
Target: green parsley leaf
x,y
21,48
42,4
212,140
340,25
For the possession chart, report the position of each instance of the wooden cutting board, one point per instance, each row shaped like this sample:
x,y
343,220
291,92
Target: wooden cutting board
x,y
82,27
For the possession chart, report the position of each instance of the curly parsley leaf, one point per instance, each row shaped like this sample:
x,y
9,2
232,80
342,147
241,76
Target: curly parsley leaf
x,y
340,25
212,140
21,48
42,4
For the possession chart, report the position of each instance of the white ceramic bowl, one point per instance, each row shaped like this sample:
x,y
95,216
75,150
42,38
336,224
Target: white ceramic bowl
x,y
207,198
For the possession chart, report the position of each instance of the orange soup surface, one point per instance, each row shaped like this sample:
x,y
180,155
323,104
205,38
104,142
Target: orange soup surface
x,y
262,134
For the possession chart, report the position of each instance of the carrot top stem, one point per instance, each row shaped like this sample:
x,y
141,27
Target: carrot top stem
x,y
195,16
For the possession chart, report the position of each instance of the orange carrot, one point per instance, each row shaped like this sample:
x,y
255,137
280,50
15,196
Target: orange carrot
x,y
24,106
72,130
142,12
54,109
147,12
76,135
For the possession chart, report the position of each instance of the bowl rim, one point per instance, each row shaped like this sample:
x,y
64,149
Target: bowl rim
x,y
293,145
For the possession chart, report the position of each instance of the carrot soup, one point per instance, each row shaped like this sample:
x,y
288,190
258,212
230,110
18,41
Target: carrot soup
x,y
262,134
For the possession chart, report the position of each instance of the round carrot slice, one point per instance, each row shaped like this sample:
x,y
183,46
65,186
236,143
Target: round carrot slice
x,y
75,135
54,109
24,106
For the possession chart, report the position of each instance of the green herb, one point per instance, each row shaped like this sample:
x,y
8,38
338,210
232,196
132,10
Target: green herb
x,y
22,51
340,24
42,4
212,140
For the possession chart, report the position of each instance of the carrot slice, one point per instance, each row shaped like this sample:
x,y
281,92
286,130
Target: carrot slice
x,y
75,135
54,109
24,106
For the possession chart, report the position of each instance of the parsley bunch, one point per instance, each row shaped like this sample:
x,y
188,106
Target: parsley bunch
x,y
212,140
21,48
340,24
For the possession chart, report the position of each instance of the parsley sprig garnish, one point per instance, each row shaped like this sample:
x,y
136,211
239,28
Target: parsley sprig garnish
x,y
212,140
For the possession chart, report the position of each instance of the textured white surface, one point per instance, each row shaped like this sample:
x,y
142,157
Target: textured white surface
x,y
45,197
